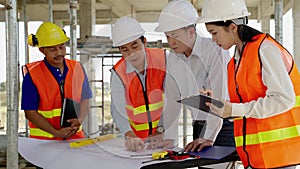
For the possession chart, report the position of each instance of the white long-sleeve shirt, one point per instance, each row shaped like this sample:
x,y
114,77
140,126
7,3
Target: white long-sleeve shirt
x,y
208,64
280,95
171,110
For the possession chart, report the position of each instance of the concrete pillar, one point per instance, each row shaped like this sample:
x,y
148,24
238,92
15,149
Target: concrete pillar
x,y
12,80
87,18
50,11
265,24
278,20
87,21
73,31
296,17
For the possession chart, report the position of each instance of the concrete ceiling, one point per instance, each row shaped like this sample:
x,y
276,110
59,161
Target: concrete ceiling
x,y
109,10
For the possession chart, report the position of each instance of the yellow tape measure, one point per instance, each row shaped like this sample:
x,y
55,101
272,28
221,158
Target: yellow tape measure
x,y
89,141
159,155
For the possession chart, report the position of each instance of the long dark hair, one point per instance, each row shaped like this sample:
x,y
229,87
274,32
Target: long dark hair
x,y
245,32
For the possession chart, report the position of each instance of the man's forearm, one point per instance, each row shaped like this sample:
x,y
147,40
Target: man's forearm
x,y
40,121
84,109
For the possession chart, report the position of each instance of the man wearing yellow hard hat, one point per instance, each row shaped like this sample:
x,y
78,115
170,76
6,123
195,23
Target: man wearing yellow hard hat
x,y
47,83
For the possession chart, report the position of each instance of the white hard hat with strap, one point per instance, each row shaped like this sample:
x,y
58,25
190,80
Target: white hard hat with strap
x,y
223,10
125,30
175,15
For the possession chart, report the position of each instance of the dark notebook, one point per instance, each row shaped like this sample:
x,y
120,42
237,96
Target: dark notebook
x,y
198,102
69,109
214,152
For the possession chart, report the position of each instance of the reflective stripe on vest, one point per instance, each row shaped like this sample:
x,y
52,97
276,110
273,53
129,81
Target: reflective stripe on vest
x,y
36,132
269,136
144,126
142,109
50,114
297,104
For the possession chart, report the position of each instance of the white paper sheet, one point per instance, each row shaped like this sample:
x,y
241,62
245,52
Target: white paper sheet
x,y
110,154
116,147
58,154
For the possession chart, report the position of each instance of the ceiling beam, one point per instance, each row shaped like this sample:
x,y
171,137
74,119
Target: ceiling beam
x,y
254,12
100,14
2,14
45,1
147,16
5,4
267,7
287,5
65,6
120,7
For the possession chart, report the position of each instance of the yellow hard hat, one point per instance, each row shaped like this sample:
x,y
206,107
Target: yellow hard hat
x,y
48,34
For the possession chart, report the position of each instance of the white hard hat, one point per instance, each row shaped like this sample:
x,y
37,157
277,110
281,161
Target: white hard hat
x,y
175,15
125,30
222,10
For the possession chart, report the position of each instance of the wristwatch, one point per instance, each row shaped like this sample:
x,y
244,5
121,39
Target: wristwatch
x,y
160,129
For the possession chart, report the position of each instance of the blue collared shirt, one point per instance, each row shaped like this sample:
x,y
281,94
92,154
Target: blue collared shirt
x,y
30,95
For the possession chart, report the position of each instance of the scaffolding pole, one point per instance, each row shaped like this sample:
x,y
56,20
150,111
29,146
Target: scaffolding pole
x,y
50,11
12,83
278,20
26,52
73,31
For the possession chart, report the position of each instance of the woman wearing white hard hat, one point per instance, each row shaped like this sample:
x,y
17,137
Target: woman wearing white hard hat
x,y
208,63
142,90
264,88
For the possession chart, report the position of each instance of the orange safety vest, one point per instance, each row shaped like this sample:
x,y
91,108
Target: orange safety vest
x,y
268,142
144,106
51,97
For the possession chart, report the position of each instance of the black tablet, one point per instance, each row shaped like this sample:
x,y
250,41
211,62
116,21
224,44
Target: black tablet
x,y
198,102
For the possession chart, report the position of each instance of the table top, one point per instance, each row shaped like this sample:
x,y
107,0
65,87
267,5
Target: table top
x,y
51,154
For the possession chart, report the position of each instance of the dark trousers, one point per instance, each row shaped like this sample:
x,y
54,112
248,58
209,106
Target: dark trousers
x,y
199,127
225,136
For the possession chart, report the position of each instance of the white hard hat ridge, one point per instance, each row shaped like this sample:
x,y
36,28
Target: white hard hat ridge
x,y
222,10
126,30
175,15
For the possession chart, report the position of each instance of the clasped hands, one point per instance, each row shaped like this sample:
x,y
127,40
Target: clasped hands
x,y
67,132
155,141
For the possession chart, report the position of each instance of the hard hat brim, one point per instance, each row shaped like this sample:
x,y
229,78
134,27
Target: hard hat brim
x,y
208,20
128,39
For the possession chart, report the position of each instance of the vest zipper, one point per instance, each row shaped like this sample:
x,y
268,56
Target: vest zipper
x,y
147,104
235,72
62,93
241,101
